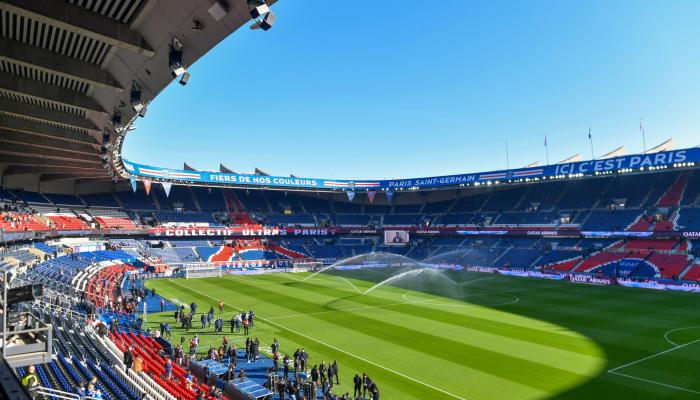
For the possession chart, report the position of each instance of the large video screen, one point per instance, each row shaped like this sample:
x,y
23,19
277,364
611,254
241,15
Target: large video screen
x,y
396,238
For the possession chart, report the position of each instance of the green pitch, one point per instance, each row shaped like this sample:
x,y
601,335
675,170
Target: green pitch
x,y
477,336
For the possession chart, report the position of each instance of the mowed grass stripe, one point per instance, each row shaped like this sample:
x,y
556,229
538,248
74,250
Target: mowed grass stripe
x,y
469,319
521,370
393,386
487,386
399,374
508,338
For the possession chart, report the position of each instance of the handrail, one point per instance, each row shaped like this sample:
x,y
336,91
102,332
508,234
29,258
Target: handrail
x,y
42,390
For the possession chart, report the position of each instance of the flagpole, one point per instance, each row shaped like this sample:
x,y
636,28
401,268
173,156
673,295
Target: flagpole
x,y
644,139
590,138
507,156
546,147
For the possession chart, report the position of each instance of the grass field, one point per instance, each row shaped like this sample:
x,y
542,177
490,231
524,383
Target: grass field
x,y
482,337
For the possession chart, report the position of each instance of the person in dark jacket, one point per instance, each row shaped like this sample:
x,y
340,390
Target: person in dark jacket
x,y
373,391
330,376
128,358
322,369
282,388
230,373
358,386
365,384
335,372
314,374
285,366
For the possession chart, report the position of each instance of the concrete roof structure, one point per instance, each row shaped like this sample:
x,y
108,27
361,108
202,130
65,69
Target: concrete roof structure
x,y
68,66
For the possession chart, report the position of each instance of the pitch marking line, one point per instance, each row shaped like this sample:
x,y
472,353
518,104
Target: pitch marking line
x,y
654,355
415,301
333,347
350,283
654,382
507,292
345,310
675,347
667,334
436,302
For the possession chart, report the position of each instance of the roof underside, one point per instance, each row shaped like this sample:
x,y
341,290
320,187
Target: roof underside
x,y
67,65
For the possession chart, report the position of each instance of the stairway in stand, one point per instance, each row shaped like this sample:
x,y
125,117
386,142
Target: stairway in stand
x,y
236,211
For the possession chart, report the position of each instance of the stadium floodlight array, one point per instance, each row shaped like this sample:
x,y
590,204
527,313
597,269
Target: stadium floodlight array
x,y
175,62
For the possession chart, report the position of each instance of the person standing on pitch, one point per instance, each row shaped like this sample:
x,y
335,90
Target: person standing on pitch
x,y
322,369
246,331
365,384
330,376
334,366
304,359
357,381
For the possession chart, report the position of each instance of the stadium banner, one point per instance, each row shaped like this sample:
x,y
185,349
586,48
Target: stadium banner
x,y
592,279
628,163
390,233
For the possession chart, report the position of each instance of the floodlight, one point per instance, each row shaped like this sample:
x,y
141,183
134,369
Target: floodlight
x,y
136,102
176,63
185,77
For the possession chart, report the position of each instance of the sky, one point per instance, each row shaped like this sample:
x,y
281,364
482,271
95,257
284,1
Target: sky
x,y
353,89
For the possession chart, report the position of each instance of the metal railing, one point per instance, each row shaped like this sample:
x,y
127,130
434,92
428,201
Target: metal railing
x,y
57,394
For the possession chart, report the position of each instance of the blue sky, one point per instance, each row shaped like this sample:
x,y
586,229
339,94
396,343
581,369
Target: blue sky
x,y
358,89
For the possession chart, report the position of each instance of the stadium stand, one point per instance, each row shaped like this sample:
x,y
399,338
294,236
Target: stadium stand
x,y
688,218
691,195
673,196
99,200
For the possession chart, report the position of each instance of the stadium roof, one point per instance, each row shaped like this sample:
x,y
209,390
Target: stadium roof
x,y
67,67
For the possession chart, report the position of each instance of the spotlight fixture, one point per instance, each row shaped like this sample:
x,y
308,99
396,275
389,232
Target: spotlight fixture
x,y
175,62
258,8
184,78
268,21
261,13
136,102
